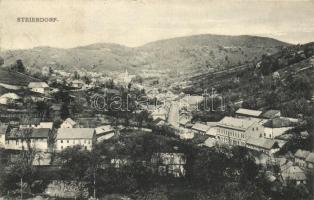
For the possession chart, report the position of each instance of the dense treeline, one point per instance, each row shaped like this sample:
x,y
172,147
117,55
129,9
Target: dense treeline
x,y
211,173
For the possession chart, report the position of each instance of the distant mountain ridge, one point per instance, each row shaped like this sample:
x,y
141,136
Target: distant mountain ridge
x,y
191,54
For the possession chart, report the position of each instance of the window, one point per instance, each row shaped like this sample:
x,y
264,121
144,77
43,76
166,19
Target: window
x,y
253,129
264,134
85,147
61,147
257,128
61,141
270,135
67,141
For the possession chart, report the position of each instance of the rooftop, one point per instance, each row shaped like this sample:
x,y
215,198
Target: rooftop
x,y
28,133
75,133
269,114
70,121
200,127
248,112
302,153
3,128
238,123
261,142
38,85
310,158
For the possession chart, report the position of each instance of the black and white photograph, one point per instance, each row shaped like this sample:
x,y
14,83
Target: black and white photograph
x,y
156,99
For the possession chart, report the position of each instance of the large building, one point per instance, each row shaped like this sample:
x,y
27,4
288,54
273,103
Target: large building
x,y
69,137
25,138
236,131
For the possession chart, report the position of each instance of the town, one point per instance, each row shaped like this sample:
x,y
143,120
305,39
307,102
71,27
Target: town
x,y
60,139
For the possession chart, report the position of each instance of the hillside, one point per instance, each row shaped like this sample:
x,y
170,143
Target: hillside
x,y
193,54
15,78
284,81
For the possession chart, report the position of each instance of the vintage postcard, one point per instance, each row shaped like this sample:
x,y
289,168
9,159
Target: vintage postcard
x,y
157,99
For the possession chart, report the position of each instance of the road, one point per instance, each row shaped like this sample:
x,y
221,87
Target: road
x,y
173,115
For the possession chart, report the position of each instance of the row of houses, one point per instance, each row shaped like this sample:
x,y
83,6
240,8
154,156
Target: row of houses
x,y
44,138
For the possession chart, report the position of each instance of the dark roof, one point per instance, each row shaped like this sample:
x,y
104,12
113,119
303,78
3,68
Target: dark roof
x,y
15,78
269,114
28,133
3,128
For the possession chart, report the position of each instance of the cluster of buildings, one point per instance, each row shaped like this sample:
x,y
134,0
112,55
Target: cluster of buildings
x,y
262,132
44,137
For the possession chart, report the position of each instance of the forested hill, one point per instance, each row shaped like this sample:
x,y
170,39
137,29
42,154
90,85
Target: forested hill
x,y
284,81
191,55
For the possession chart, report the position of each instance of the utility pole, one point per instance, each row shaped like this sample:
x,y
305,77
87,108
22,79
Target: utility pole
x,y
21,188
94,183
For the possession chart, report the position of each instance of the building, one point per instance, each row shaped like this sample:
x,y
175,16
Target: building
x,y
236,131
300,157
9,98
293,174
25,138
39,87
125,78
77,83
242,112
275,132
267,146
200,128
104,132
271,114
68,123
160,113
69,137
310,162
185,122
169,163
3,132
40,125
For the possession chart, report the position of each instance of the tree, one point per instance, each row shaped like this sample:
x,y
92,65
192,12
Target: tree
x,y
1,61
19,66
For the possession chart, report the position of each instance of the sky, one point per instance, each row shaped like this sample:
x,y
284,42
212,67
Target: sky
x,y
136,22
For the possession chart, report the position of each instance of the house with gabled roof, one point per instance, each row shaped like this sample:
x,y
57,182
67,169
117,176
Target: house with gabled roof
x,y
69,137
39,87
293,174
267,146
300,157
310,162
68,123
25,138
